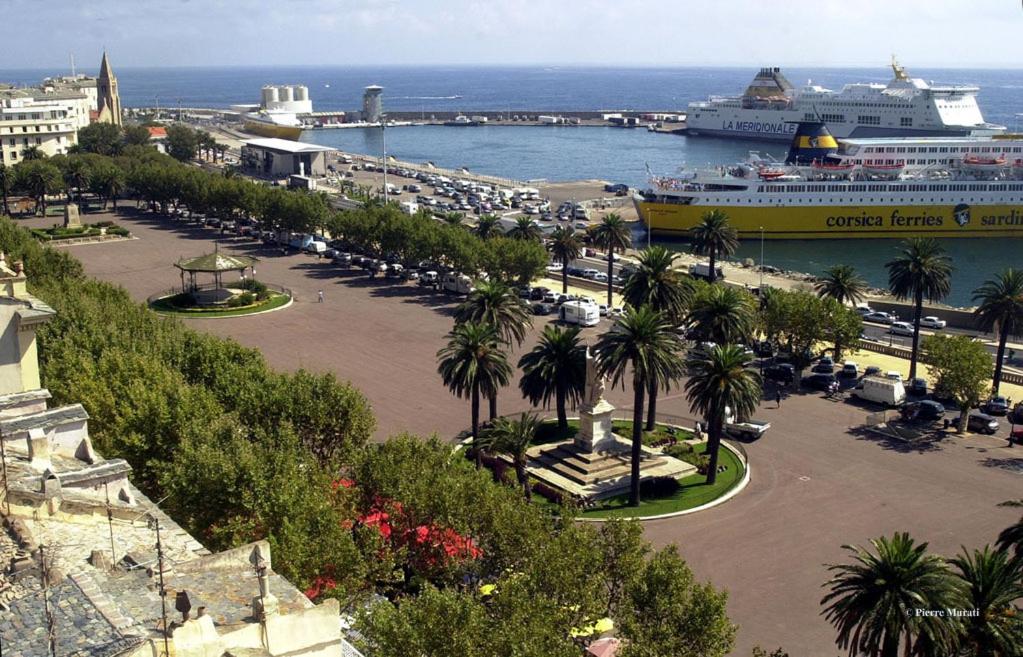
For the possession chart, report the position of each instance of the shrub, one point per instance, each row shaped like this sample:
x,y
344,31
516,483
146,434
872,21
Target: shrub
x,y
679,450
658,487
548,493
243,299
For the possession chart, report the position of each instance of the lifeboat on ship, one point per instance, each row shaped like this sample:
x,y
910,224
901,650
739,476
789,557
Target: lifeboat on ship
x,y
884,170
832,169
771,173
975,163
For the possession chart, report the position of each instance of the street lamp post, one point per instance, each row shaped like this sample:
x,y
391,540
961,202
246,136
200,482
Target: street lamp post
x,y
383,147
761,260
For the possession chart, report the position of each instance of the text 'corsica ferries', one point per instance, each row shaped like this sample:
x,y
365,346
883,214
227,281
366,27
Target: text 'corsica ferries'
x,y
906,106
870,188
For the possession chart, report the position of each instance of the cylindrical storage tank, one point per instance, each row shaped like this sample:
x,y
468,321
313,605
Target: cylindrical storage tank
x,y
301,92
286,95
269,96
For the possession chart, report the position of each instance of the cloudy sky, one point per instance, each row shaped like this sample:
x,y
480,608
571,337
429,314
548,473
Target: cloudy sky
x,y
960,33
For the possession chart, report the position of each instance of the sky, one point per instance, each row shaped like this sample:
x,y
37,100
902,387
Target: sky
x,y
923,33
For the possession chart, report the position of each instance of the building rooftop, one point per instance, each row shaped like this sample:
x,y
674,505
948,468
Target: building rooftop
x,y
285,146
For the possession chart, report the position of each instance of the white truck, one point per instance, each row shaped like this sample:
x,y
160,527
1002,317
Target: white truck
x,y
881,390
747,430
702,270
409,207
579,312
456,283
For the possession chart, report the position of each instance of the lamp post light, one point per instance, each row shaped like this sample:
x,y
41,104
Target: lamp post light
x,y
383,149
761,260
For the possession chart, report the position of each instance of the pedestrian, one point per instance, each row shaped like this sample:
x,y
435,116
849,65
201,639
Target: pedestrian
x,y
777,398
320,296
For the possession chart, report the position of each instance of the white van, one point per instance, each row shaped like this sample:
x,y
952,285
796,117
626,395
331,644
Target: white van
x,y
409,207
881,390
702,270
579,312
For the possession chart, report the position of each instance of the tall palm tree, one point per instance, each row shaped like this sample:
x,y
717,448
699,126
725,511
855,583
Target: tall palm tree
x,y
555,367
921,271
719,383
565,247
32,153
1000,308
994,582
496,304
842,284
513,437
714,237
473,364
76,176
486,226
1011,537
6,176
656,282
641,342
525,229
722,314
872,600
613,235
453,218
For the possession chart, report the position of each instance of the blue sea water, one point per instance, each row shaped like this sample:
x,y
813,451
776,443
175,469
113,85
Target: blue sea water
x,y
569,153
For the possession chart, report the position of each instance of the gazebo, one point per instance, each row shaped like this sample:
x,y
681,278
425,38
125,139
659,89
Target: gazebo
x,y
217,264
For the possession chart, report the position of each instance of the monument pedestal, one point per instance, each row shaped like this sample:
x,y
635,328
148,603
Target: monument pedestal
x,y
595,433
71,216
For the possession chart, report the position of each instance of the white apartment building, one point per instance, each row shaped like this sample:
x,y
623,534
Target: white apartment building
x,y
48,123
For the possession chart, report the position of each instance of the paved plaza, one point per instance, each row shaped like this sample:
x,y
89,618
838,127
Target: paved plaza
x,y
817,480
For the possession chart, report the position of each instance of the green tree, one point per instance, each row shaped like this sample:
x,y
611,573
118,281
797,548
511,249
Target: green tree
x,y
565,247
486,226
495,304
644,342
962,368
39,179
76,175
135,135
510,260
714,237
473,364
1000,308
525,228
922,271
100,138
613,235
555,367
182,142
513,437
841,283
872,601
670,613
6,175
994,585
723,314
32,153
719,383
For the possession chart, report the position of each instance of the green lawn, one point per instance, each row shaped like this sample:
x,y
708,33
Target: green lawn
x,y
165,307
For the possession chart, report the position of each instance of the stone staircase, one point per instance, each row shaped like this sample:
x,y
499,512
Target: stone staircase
x,y
587,469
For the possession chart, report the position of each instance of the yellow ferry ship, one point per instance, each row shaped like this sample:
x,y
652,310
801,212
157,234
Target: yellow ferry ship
x,y
854,188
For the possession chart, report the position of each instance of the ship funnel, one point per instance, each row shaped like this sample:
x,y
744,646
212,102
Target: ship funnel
x,y
812,142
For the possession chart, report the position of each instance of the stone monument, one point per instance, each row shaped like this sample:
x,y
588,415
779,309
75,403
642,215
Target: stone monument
x,y
595,434
71,218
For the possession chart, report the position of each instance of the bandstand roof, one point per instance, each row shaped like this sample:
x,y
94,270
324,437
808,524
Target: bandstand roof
x,y
216,262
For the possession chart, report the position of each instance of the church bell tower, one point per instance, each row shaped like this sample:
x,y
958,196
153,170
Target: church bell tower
x,y
109,101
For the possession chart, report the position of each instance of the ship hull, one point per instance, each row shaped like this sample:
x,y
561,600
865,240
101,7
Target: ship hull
x,y
842,221
272,130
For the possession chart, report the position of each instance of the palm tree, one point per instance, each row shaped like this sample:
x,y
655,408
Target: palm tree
x,y
40,179
719,383
712,237
842,284
525,229
872,601
565,247
722,314
994,581
32,153
486,226
1000,308
5,186
453,218
513,437
656,282
555,367
1011,537
644,342
496,304
613,235
474,364
921,271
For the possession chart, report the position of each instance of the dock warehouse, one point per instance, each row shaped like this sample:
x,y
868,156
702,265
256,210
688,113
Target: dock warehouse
x,y
280,157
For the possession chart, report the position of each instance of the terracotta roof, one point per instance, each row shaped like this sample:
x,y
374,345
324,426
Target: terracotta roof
x,y
157,132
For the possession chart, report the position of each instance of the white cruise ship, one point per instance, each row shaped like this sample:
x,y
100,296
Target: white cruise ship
x,y
771,107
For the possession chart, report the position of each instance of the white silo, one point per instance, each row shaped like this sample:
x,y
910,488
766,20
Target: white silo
x,y
287,94
301,92
269,96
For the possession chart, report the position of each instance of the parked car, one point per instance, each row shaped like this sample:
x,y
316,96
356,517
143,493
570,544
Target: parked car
x,y
849,369
781,373
542,309
879,317
872,370
981,423
824,367
923,411
917,387
549,297
932,322
901,328
590,273
864,310
997,405
819,381
763,348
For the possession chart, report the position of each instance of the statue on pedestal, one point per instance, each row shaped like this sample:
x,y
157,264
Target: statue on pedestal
x,y
595,432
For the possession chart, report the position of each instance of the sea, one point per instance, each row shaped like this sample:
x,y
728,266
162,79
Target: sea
x,y
573,153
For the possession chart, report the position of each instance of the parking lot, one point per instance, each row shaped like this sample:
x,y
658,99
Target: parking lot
x,y
818,479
